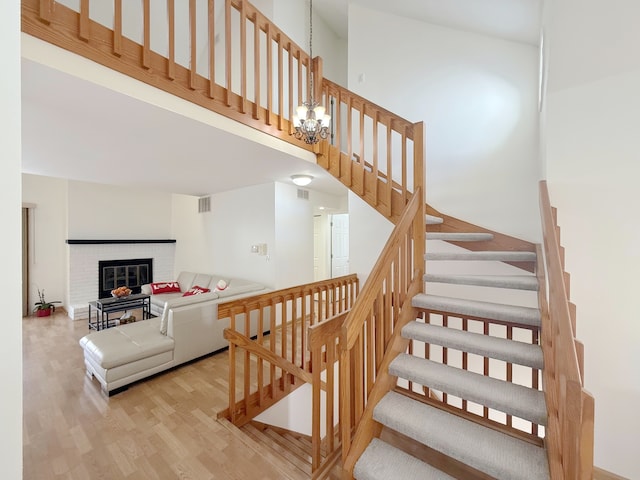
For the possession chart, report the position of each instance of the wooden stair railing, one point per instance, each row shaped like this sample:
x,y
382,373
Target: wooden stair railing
x,y
278,320
244,67
240,65
570,430
376,153
369,334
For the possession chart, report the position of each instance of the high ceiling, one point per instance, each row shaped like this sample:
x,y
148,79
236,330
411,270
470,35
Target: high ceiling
x,y
76,129
517,20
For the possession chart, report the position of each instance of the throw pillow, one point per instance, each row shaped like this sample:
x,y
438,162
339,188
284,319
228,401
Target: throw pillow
x,y
165,287
221,285
195,290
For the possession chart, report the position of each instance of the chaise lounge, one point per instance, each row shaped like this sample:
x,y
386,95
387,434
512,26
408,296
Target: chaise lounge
x,y
187,327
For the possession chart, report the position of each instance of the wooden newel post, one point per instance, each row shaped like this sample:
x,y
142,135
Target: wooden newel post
x,y
316,71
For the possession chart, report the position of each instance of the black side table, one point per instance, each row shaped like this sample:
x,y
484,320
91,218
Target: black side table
x,y
104,306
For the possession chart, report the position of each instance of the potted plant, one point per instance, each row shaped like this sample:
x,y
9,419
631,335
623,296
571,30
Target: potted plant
x,y
44,308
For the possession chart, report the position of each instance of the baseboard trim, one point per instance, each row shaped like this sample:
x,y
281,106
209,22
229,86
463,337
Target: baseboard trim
x,y
600,474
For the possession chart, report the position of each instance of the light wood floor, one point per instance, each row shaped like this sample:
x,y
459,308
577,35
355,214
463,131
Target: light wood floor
x,y
161,428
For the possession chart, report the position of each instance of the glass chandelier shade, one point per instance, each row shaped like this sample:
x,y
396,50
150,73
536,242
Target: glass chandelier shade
x,y
311,122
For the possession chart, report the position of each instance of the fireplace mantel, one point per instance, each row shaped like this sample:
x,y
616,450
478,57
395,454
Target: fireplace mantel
x,y
118,241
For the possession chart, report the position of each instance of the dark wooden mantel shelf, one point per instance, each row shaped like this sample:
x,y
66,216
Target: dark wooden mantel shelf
x,y
101,242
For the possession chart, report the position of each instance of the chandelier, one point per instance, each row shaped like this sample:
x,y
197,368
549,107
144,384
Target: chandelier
x,y
311,122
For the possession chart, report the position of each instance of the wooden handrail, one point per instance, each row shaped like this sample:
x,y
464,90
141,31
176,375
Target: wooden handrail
x,y
353,325
570,407
370,332
384,172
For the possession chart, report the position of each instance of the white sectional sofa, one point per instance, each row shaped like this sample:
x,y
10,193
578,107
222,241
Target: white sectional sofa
x,y
186,328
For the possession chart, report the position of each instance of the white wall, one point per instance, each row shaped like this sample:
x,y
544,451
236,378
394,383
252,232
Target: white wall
x,y
593,166
478,98
193,238
48,232
292,17
293,237
239,219
368,233
10,285
109,211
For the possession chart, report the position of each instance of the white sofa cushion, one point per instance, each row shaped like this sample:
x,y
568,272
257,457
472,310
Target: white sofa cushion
x,y
180,301
185,279
127,343
237,286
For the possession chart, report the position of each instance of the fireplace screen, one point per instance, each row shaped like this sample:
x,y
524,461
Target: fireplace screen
x,y
129,273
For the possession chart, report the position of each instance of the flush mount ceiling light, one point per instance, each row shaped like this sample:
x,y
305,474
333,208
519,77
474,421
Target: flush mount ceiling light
x,y
301,180
310,121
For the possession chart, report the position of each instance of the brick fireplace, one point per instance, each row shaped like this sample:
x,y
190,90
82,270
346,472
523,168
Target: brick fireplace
x,y
85,257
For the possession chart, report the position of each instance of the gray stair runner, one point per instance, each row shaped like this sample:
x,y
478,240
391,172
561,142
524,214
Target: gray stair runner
x,y
460,237
496,311
507,397
432,220
494,453
511,351
381,461
507,256
519,282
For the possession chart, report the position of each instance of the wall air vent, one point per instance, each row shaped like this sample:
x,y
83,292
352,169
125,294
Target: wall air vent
x,y
204,204
303,194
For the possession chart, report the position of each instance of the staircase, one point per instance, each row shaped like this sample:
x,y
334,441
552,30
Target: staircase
x,y
440,407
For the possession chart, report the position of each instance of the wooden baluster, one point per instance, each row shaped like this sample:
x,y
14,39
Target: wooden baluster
x,y
375,170
83,30
269,74
193,62
280,85
465,358
389,186
46,10
405,195
243,57
486,367
290,86
329,427
146,46
256,67
445,354
232,372
227,51
117,27
509,367
211,30
272,344
372,346
260,367
362,187
534,377
294,330
171,18
247,362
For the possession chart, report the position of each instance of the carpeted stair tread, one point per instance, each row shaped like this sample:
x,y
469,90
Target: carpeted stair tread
x,y
494,453
496,311
460,237
507,397
518,282
433,220
511,351
381,461
508,256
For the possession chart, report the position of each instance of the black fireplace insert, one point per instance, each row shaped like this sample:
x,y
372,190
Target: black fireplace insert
x,y
131,273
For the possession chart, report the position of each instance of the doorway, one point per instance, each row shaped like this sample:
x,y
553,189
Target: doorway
x,y
339,245
25,261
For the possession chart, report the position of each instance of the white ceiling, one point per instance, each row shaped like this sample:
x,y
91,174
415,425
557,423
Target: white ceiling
x,y
517,20
76,129
87,132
